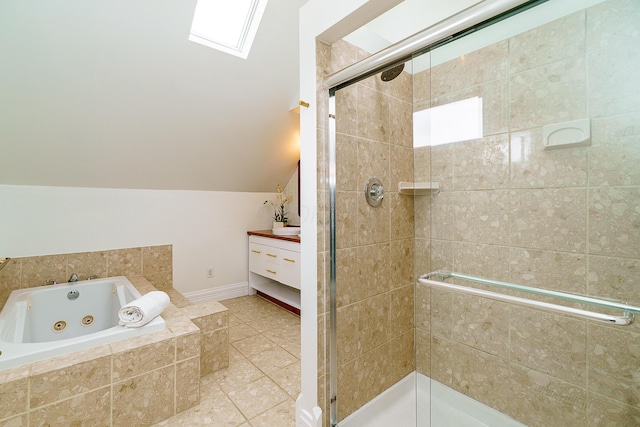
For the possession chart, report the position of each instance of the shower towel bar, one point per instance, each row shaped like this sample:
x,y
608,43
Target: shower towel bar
x,y
625,319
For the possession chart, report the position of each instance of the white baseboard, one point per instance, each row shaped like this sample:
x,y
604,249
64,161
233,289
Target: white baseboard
x,y
219,293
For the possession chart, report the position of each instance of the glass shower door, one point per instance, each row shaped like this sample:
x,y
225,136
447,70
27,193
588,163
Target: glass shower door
x,y
547,196
374,283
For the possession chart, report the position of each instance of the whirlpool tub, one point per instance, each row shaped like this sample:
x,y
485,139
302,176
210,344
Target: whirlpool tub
x,y
46,321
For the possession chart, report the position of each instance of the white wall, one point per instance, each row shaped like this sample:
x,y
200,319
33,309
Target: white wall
x,y
113,95
206,228
292,207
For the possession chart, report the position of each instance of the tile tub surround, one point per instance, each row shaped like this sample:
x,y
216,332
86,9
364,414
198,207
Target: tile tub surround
x,y
511,224
212,318
140,380
262,381
153,262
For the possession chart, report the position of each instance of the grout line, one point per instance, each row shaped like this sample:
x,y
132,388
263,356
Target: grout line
x,y
251,307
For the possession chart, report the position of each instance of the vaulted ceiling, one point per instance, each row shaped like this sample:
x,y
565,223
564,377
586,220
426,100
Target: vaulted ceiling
x,y
98,93
111,93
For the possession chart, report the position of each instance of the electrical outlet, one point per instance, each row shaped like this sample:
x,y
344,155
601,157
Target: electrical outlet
x,y
209,272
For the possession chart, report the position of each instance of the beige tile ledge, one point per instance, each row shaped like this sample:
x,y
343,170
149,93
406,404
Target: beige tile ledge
x,y
200,310
141,284
15,373
180,324
178,299
204,326
209,316
144,287
143,340
69,360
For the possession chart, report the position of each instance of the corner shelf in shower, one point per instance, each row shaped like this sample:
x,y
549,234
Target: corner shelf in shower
x,y
417,188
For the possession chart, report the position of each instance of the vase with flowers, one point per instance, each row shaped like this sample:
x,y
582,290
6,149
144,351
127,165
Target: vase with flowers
x,y
279,207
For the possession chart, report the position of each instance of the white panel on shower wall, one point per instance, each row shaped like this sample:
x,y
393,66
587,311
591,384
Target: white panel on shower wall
x,y
453,122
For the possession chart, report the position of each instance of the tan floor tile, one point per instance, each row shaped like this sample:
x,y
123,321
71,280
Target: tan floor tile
x,y
283,415
229,303
240,332
234,355
293,348
289,378
257,397
278,320
237,374
284,335
273,359
287,338
256,313
242,391
253,345
215,409
256,301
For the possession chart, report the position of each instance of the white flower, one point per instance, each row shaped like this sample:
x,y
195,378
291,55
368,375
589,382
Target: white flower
x,y
279,205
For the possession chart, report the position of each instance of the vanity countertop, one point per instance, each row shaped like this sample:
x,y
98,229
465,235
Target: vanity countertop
x,y
269,233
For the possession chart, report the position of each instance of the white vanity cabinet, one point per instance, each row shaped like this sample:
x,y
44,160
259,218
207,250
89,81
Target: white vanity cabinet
x,y
274,266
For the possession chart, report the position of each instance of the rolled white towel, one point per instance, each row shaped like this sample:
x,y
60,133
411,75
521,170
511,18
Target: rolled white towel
x,y
143,310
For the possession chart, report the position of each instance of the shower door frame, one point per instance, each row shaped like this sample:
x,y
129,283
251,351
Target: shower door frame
x,y
453,28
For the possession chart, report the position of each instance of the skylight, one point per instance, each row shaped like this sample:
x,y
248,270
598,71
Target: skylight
x,y
229,26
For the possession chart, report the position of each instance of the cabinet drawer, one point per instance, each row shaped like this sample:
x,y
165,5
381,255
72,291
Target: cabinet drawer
x,y
290,268
256,257
264,260
275,259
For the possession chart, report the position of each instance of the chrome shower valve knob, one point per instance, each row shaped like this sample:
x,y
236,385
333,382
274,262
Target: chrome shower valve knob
x,y
374,192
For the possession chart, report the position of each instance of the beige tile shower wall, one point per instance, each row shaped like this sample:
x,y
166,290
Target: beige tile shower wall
x,y
566,219
153,262
374,245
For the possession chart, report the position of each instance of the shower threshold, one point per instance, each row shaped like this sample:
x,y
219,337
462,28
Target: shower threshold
x,y
437,406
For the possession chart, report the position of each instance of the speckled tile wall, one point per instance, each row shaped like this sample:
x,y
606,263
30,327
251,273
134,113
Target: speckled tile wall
x,y
563,219
153,262
374,245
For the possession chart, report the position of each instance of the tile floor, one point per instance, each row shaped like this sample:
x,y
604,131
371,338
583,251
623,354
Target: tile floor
x,y
262,381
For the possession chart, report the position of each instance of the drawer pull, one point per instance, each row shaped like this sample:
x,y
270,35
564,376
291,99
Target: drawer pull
x,y
271,271
255,252
271,255
289,259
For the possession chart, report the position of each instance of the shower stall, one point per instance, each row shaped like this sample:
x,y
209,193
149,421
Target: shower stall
x,y
480,221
